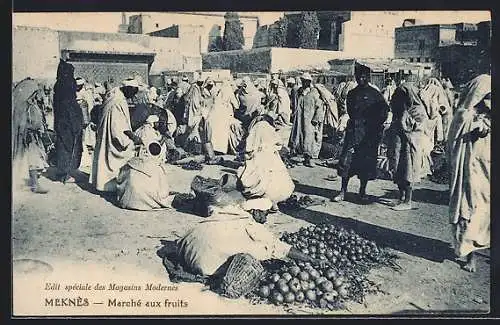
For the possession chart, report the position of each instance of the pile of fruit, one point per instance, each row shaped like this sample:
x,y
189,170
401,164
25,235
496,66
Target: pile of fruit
x,y
340,277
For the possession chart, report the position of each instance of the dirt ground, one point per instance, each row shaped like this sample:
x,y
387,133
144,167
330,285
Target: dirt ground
x,y
83,236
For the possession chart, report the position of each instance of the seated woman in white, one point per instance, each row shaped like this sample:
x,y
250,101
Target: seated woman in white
x,y
142,183
264,175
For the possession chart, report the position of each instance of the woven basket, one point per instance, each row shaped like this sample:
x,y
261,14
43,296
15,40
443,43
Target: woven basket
x,y
243,275
206,189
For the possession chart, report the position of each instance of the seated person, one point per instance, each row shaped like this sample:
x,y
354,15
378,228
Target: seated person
x,y
142,184
204,248
150,131
264,174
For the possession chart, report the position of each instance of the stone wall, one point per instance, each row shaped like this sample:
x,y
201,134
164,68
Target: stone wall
x,y
270,59
255,60
422,41
35,53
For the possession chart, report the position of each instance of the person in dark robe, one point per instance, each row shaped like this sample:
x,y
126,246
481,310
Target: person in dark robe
x,y
68,123
367,111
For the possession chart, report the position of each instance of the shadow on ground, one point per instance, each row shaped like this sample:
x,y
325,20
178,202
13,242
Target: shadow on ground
x,y
330,193
427,248
82,181
423,195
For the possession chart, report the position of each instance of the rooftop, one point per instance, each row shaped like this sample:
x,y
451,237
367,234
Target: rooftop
x,y
107,47
447,26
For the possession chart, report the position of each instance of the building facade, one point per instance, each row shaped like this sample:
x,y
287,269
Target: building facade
x,y
460,51
420,43
209,26
357,34
97,57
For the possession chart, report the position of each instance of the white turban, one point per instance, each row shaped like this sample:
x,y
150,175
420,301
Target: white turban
x,y
80,81
152,119
130,83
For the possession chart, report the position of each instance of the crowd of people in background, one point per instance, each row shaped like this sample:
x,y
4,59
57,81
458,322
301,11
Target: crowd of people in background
x,y
126,134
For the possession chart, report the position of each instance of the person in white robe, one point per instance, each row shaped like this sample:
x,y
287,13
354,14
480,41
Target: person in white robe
x,y
219,119
142,183
264,174
469,157
115,141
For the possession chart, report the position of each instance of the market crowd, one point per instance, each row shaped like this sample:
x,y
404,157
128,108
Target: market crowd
x,y
127,133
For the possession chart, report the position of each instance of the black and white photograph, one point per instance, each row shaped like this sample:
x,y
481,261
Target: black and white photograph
x,y
236,163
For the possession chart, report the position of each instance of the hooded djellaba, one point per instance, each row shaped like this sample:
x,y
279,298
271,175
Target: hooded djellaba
x,y
264,175
28,131
469,156
406,133
68,122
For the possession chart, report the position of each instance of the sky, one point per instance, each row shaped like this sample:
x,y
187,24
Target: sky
x,y
108,21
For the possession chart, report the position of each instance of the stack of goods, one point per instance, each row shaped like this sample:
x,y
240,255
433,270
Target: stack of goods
x,y
192,165
341,278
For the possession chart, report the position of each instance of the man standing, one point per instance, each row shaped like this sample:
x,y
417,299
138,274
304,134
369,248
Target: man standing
x,y
115,139
179,99
292,93
85,99
279,103
68,123
367,111
389,89
250,99
192,115
307,130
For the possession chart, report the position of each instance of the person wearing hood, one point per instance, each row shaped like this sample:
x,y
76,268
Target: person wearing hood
x,y
217,131
264,175
250,101
440,113
29,154
191,118
85,99
279,102
68,123
142,183
115,140
367,111
469,157
306,136
405,150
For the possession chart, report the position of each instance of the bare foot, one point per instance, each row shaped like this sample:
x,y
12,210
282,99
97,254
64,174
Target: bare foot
x,y
471,263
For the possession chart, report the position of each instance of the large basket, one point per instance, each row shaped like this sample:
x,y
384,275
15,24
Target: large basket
x,y
242,276
206,188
